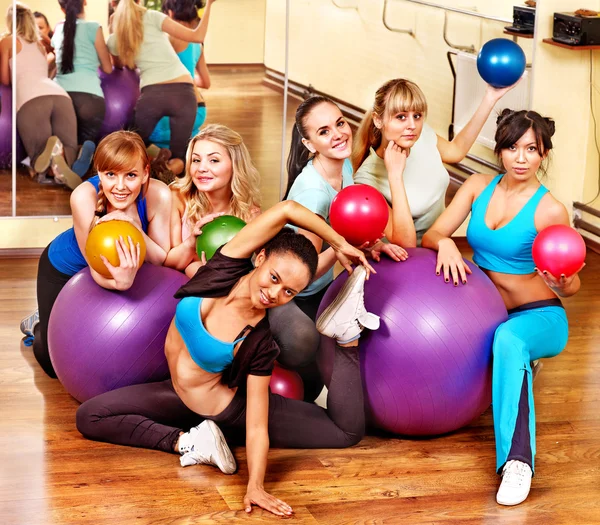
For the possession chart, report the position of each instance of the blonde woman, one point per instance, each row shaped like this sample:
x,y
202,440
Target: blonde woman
x,y
122,190
396,152
167,88
45,116
219,179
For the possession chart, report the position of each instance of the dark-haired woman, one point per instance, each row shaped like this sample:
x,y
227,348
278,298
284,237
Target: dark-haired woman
x,y
318,168
507,211
221,353
80,49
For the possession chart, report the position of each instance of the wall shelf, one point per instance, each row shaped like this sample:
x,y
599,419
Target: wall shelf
x,y
514,33
565,46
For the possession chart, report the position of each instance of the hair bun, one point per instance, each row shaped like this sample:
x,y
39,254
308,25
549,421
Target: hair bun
x,y
505,113
551,125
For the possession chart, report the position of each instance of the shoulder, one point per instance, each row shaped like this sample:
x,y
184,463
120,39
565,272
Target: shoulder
x,y
81,195
6,42
91,27
158,193
551,211
154,17
368,170
177,199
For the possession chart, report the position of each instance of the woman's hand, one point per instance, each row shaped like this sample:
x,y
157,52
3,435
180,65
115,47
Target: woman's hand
x,y
560,285
347,254
129,259
394,158
119,215
197,229
451,262
497,93
393,251
258,496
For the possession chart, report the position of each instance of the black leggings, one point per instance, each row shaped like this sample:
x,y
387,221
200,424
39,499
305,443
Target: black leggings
x,y
89,110
152,415
176,101
49,284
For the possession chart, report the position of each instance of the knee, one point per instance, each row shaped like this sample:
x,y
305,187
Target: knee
x,y
354,438
85,417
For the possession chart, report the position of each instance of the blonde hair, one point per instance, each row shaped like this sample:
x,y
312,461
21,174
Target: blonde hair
x,y
129,30
120,151
393,97
26,27
245,179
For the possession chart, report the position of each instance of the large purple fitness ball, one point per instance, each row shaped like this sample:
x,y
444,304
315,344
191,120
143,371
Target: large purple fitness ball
x,y
100,340
121,91
427,370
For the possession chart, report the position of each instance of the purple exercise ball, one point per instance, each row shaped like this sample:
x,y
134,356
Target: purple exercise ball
x,y
5,127
121,91
427,370
100,339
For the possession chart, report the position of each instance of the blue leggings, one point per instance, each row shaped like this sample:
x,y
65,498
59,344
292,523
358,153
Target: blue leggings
x,y
161,136
533,331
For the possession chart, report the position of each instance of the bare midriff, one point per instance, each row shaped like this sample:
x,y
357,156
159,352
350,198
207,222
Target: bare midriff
x,y
517,290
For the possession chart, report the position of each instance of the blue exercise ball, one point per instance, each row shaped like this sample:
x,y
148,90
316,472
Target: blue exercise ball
x,y
501,62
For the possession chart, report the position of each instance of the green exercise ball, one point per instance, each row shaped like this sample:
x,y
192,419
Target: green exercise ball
x,y
217,233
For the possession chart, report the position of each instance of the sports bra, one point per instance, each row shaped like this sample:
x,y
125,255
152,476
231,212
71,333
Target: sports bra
x,y
508,248
208,352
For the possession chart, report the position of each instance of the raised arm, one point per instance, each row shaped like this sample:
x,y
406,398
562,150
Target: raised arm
x,y
456,150
202,76
257,447
262,229
176,30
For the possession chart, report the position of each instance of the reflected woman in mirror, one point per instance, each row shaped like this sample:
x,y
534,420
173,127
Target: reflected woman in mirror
x,y
220,179
122,190
396,152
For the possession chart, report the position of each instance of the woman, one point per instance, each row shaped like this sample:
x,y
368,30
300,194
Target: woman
x,y
221,353
80,50
507,212
167,88
45,116
122,190
220,179
191,54
401,156
318,168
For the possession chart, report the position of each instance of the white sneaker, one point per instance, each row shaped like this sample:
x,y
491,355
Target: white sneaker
x,y
346,317
536,367
206,445
516,483
29,323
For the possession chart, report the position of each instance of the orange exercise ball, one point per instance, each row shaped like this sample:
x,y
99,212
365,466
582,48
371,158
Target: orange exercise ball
x,y
102,239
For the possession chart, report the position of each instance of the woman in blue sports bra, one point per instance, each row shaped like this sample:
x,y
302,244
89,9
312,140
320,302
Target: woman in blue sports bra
x,y
122,190
507,212
221,352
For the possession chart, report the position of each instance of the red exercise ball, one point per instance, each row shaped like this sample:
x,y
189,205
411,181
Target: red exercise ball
x,y
287,383
359,213
559,249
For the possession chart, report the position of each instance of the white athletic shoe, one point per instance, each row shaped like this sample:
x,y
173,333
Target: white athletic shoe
x,y
206,445
29,323
346,317
536,367
516,483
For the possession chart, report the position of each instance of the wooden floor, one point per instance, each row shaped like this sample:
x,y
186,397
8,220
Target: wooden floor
x,y
237,99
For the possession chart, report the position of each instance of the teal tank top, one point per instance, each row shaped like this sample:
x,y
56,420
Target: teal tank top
x,y
208,352
507,249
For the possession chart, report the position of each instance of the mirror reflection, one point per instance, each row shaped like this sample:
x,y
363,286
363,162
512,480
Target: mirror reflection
x,y
5,110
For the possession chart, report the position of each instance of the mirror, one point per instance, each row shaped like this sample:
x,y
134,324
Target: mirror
x,y
6,134
240,95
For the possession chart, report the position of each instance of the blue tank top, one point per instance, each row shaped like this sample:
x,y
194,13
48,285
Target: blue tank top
x,y
208,352
507,249
190,55
64,252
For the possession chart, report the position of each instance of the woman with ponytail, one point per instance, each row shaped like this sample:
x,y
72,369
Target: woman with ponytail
x,y
402,157
167,88
122,190
318,168
80,49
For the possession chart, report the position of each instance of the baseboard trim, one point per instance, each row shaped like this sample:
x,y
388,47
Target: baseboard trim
x,y
21,253
254,66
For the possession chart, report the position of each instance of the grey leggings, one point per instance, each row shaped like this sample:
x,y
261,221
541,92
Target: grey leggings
x,y
40,118
152,415
176,101
90,110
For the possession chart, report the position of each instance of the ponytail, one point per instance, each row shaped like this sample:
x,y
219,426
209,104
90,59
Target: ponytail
x,y
101,205
299,154
129,30
72,10
367,135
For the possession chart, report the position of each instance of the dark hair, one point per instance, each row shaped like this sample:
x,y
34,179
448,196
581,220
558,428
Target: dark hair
x,y
183,10
72,10
512,125
37,14
288,241
299,154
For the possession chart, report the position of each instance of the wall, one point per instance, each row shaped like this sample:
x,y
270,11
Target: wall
x,y
95,10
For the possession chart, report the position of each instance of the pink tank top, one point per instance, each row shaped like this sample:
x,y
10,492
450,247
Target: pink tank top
x,y
32,75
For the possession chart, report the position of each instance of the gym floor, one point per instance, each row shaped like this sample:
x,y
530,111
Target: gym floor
x,y
50,474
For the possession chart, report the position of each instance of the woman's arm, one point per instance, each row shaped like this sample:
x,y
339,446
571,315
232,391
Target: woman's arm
x,y
262,229
103,53
158,239
202,77
5,54
176,30
456,150
257,447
